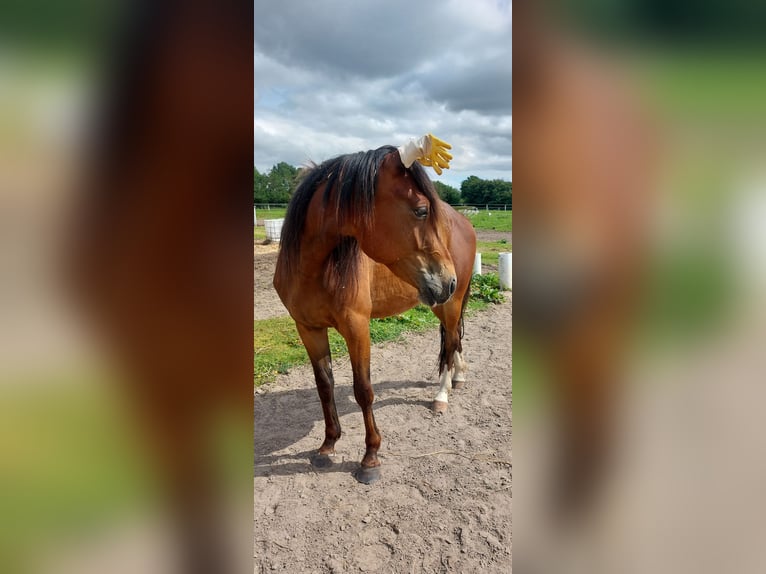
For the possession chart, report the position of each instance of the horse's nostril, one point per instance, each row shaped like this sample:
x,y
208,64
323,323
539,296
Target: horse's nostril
x,y
452,285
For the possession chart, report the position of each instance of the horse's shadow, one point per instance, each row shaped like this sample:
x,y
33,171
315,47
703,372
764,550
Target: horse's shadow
x,y
276,427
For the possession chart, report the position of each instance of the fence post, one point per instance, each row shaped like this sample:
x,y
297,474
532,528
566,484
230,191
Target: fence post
x,y
477,264
504,269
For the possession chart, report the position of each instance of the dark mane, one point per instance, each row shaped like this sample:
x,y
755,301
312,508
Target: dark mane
x,y
350,193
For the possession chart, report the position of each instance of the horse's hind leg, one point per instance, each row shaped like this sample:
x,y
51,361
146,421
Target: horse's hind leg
x,y
450,356
318,348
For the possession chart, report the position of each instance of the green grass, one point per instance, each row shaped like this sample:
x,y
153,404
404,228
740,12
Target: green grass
x,y
273,213
278,347
492,220
490,251
391,328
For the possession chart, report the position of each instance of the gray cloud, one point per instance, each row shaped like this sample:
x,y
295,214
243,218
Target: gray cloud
x,y
338,76
482,84
368,39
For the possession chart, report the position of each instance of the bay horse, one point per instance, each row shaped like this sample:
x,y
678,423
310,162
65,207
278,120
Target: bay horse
x,y
366,237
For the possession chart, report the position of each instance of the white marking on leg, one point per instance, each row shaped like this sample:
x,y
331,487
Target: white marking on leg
x,y
445,386
460,368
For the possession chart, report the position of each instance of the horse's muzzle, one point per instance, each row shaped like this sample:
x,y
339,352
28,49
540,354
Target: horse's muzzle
x,y
436,289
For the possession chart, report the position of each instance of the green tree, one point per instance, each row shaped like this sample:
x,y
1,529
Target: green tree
x,y
477,191
498,191
281,182
275,187
260,187
472,190
448,193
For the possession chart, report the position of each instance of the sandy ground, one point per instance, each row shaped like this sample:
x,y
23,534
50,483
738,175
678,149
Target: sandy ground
x,y
443,503
488,235
266,303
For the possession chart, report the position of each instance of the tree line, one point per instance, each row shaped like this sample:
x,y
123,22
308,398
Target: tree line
x,y
278,185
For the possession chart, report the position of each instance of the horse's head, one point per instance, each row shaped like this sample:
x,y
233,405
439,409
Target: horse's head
x,y
407,233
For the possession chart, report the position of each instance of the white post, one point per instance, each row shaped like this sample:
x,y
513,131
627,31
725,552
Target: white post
x,y
504,268
477,264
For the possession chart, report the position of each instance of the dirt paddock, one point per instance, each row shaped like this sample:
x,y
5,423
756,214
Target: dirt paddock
x,y
444,501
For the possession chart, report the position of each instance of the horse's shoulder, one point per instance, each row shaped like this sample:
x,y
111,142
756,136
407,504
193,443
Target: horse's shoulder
x,y
456,221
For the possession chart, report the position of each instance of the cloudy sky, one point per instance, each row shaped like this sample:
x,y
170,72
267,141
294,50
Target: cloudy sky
x,y
340,76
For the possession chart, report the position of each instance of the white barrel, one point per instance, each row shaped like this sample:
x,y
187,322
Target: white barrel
x,y
504,267
273,228
477,264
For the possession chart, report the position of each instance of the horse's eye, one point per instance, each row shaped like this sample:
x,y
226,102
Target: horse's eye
x,y
421,212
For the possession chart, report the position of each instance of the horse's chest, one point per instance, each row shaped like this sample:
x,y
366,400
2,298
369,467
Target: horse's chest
x,y
389,294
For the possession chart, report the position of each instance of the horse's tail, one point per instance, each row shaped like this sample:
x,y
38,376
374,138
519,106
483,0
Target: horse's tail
x,y
447,358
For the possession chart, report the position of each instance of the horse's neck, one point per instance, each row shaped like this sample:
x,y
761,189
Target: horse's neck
x,y
321,236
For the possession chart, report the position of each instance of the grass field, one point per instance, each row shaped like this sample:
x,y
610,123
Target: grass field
x,y
493,220
273,213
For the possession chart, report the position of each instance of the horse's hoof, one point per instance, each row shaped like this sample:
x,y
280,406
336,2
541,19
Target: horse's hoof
x,y
456,385
367,474
321,461
440,407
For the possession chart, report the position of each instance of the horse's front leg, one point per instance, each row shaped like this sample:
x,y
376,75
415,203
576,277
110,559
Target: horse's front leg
x,y
356,332
318,348
450,358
